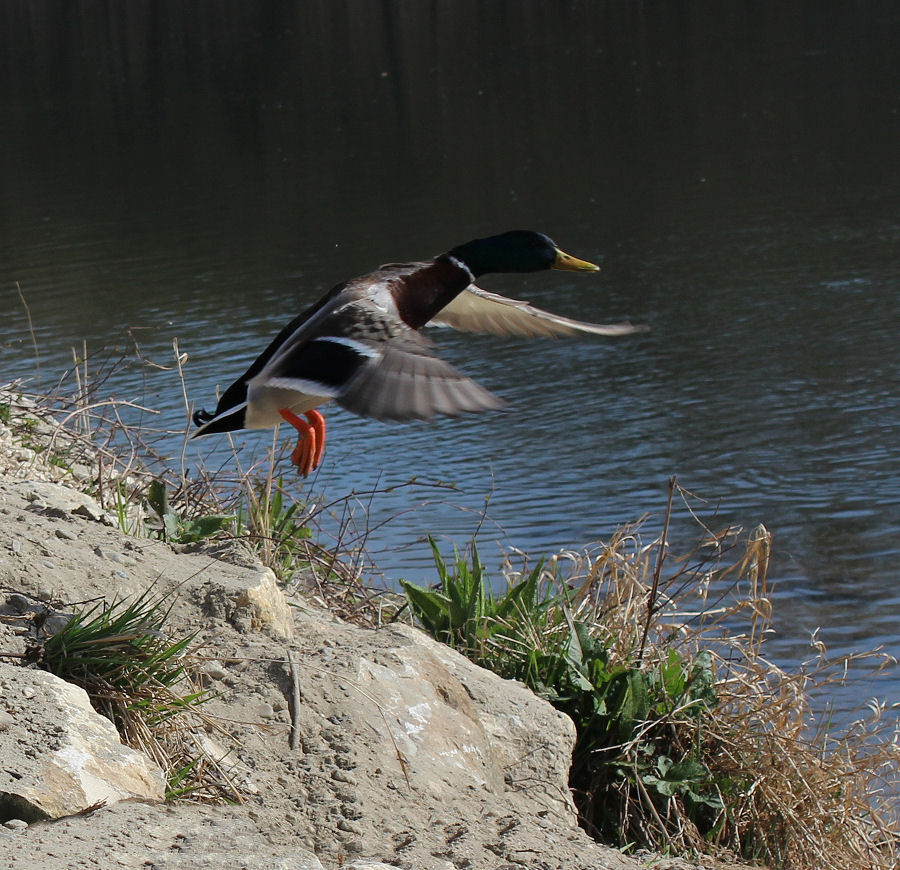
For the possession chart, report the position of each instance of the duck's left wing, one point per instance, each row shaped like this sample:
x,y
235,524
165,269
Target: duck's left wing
x,y
405,381
477,310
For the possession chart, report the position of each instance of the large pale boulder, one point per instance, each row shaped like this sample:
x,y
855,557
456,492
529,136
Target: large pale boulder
x,y
411,752
460,727
59,756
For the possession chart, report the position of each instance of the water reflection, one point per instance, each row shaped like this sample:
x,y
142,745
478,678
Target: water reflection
x,y
202,171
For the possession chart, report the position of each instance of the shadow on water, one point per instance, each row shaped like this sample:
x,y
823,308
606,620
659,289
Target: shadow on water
x,y
202,171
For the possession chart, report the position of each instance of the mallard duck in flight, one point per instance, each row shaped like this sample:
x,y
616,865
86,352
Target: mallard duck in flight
x,y
360,344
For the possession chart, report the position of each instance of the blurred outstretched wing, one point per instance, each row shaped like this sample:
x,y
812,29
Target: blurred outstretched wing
x,y
406,381
477,310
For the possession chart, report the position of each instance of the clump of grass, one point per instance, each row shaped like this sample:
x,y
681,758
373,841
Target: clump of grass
x,y
688,738
143,681
274,524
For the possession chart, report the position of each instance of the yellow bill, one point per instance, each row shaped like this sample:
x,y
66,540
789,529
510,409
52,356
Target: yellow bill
x,y
567,263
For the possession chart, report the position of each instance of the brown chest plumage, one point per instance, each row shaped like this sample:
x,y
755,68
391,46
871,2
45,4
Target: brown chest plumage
x,y
425,289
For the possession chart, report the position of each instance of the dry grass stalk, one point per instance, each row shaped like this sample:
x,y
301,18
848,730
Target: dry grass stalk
x,y
795,795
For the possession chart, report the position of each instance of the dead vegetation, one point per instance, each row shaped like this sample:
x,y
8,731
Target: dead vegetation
x,y
749,768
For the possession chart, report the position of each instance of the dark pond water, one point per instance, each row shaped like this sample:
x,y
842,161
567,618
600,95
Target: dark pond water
x,y
203,171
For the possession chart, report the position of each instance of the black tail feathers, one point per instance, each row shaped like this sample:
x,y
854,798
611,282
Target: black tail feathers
x,y
202,416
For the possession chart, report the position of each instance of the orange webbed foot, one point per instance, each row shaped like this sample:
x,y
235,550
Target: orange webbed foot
x,y
310,439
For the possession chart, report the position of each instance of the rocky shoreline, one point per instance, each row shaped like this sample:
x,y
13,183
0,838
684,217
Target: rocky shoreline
x,y
404,754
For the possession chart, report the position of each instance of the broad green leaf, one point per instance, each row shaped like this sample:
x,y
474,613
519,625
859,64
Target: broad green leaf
x,y
195,530
157,497
673,676
702,680
439,563
432,607
171,526
521,597
636,704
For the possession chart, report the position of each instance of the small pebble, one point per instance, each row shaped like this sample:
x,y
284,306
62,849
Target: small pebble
x,y
16,545
19,602
80,472
65,535
215,670
28,692
15,824
5,720
265,711
57,622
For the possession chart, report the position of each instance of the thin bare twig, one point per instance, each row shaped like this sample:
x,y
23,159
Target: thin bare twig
x,y
295,702
660,556
37,355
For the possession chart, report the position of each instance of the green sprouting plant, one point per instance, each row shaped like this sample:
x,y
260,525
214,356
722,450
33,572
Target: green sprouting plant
x,y
60,461
638,726
177,529
277,529
689,779
462,612
180,782
122,518
120,655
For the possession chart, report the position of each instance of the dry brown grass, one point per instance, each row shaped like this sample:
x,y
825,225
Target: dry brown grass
x,y
796,794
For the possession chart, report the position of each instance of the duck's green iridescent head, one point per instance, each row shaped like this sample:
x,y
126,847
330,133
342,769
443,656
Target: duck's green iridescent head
x,y
517,251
